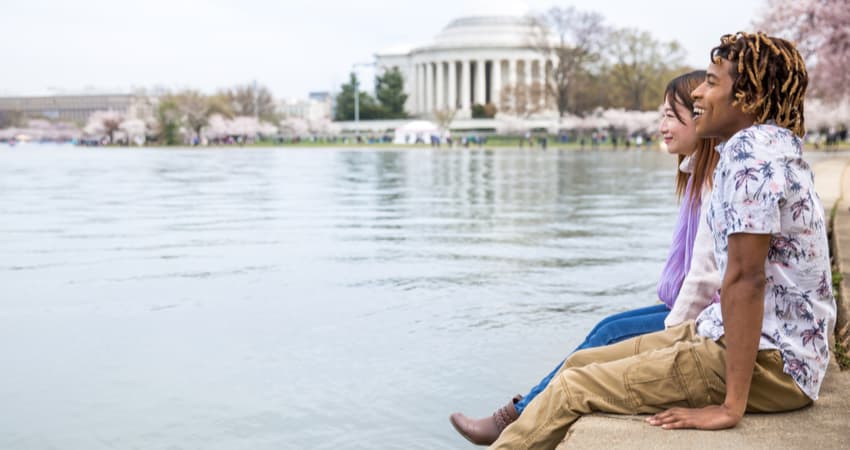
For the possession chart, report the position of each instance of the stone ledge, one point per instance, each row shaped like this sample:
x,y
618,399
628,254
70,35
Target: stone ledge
x,y
841,257
822,426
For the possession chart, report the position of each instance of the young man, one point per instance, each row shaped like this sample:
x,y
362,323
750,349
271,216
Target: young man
x,y
764,347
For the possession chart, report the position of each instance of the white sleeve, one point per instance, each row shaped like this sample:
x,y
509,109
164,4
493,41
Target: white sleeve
x,y
703,279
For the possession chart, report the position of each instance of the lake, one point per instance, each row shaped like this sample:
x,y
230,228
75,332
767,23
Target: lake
x,y
325,298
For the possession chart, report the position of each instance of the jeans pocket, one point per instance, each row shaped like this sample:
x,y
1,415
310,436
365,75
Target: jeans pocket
x,y
668,378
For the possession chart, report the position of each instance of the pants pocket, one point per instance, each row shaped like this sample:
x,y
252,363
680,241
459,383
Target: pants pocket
x,y
772,389
667,378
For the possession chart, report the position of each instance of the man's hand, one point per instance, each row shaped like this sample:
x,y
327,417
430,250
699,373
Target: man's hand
x,y
709,418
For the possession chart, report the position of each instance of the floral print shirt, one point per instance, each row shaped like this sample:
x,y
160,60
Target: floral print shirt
x,y
763,186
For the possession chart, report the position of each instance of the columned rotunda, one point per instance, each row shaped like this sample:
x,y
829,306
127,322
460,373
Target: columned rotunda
x,y
471,61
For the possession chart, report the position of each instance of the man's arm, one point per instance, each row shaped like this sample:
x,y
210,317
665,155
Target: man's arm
x,y
742,306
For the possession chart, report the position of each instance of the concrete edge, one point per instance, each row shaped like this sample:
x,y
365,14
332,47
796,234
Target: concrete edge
x,y
840,231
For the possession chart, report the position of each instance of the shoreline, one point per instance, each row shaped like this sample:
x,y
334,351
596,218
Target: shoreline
x,y
387,147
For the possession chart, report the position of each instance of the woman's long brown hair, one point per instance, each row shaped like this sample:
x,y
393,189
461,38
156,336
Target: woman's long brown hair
x,y
705,157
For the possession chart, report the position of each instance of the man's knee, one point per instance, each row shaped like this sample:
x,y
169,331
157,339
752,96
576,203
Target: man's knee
x,y
587,356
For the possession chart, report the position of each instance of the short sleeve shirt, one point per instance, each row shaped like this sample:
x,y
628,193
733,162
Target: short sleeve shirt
x,y
762,185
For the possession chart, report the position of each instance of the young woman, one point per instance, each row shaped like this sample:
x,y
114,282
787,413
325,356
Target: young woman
x,y
689,281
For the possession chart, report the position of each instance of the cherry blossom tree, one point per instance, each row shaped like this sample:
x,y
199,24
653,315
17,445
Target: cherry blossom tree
x,y
42,130
196,108
248,128
104,123
630,121
510,125
294,127
134,129
324,127
821,30
822,114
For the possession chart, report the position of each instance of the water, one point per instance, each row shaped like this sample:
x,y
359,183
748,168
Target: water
x,y
305,298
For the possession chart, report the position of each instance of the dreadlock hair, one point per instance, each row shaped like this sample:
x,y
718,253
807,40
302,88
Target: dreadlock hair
x,y
705,159
770,77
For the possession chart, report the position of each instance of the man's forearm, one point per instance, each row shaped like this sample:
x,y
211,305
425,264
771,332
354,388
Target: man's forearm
x,y
742,305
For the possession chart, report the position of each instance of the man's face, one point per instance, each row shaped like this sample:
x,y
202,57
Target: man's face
x,y
714,114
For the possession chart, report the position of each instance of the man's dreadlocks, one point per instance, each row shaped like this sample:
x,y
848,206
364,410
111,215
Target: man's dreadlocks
x,y
770,77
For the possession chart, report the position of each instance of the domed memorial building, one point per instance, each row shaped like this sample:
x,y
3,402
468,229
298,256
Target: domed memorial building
x,y
477,59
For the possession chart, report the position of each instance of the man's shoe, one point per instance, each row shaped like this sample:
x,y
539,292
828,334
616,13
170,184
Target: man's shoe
x,y
485,431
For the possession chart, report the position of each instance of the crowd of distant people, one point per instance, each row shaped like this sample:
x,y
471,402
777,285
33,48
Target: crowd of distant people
x,y
820,140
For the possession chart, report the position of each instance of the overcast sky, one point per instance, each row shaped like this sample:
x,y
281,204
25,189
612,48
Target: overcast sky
x,y
292,46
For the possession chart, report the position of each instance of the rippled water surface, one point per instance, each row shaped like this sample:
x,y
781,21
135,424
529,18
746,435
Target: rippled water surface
x,y
305,298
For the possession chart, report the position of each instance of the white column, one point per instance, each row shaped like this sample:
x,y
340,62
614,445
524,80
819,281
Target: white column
x,y
480,95
415,96
496,83
415,89
423,88
452,85
512,81
527,81
542,74
429,88
554,63
441,87
465,86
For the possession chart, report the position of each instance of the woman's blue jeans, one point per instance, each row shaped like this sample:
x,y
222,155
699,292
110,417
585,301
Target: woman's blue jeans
x,y
610,330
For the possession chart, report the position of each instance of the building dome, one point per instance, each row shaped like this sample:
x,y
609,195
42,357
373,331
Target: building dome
x,y
480,58
486,31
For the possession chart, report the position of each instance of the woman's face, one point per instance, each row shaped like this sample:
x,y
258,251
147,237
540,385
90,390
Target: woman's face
x,y
680,138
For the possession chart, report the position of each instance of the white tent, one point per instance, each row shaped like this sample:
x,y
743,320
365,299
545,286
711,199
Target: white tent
x,y
409,132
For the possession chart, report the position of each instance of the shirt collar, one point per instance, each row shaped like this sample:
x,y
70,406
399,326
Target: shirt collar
x,y
687,164
719,147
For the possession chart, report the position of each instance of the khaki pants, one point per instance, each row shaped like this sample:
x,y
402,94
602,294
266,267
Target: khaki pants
x,y
645,375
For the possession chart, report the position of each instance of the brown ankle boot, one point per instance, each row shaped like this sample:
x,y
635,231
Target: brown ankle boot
x,y
485,431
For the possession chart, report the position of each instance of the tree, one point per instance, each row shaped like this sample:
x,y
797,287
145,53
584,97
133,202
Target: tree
x,y
368,107
195,109
323,127
246,128
10,118
294,127
251,100
524,100
134,129
389,89
104,123
168,120
445,117
485,111
574,39
640,67
821,30
595,91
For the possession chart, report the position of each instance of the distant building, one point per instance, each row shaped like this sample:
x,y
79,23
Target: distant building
x,y
318,106
77,108
471,61
320,96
